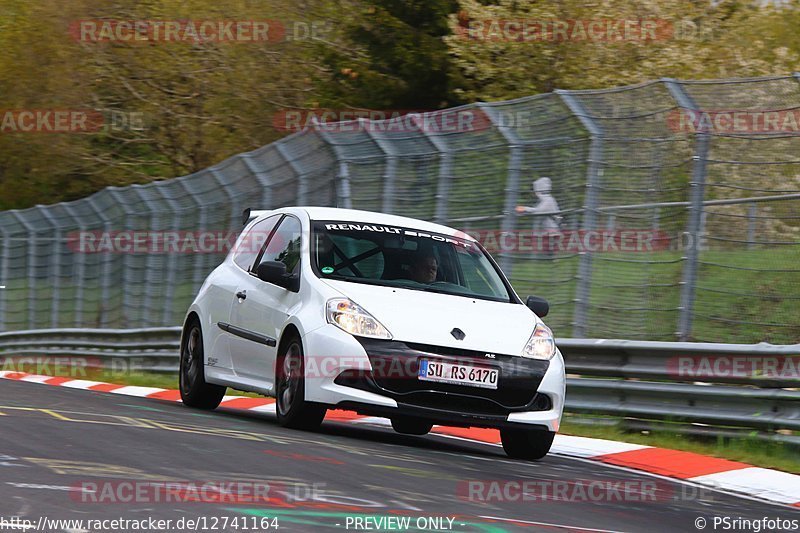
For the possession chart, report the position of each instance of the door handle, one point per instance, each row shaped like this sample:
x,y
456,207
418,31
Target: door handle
x,y
242,295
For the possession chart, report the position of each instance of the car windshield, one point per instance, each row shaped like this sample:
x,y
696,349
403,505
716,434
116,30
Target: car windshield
x,y
394,256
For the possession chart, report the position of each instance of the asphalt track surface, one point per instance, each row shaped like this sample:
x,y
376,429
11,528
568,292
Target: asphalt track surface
x,y
58,444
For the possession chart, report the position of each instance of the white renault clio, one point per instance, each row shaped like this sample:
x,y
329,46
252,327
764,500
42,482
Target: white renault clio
x,y
380,314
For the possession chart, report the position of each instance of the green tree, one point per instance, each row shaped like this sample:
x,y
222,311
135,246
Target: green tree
x,y
694,39
398,58
193,104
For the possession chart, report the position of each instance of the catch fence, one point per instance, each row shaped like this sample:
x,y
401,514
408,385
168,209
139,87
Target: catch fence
x,y
678,211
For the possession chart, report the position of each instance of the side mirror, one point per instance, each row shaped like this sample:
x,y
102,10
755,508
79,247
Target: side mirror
x,y
275,272
538,306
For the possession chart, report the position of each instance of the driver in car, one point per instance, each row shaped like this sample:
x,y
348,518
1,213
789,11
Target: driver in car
x,y
424,269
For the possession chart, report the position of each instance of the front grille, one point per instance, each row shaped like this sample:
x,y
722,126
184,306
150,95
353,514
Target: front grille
x,y
396,367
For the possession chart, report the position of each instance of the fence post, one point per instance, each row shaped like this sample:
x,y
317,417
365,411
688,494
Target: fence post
x,y
445,170
390,169
149,259
263,181
235,216
751,225
199,271
694,227
515,145
343,198
302,178
4,276
107,258
80,271
171,266
591,201
342,185
126,259
443,186
56,270
31,249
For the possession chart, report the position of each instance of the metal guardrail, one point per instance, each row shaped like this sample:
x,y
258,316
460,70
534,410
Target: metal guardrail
x,y
626,359
696,388
638,381
145,349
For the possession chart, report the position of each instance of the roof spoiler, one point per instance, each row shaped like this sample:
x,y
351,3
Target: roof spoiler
x,y
248,215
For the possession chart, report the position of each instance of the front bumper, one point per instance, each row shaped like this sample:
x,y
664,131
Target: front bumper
x,y
529,393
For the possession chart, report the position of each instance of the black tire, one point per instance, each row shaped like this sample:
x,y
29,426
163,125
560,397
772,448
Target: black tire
x,y
530,444
290,389
195,392
411,426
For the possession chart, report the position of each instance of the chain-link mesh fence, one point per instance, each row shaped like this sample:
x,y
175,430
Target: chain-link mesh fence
x,y
678,211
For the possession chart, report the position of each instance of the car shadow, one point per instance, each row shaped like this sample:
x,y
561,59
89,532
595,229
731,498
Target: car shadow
x,y
377,434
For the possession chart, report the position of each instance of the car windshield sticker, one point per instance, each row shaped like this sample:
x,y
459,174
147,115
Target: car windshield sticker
x,y
327,270
403,232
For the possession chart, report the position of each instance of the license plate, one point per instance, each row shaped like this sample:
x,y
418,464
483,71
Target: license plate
x,y
458,374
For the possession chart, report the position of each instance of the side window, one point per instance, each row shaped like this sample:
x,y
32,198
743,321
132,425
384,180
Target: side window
x,y
285,245
248,248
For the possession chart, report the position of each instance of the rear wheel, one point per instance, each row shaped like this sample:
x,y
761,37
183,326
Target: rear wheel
x,y
195,392
290,391
411,426
528,444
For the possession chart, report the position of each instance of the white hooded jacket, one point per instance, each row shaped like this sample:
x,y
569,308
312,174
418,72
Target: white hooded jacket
x,y
547,204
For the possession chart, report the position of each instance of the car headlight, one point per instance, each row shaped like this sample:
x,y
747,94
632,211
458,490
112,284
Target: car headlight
x,y
353,319
541,345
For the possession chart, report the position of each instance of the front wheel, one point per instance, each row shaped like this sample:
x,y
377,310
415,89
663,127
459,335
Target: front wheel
x,y
195,392
290,392
530,444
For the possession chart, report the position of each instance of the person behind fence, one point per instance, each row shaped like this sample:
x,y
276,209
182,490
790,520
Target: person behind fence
x,y
547,224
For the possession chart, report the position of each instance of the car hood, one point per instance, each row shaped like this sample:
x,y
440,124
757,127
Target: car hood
x,y
428,318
